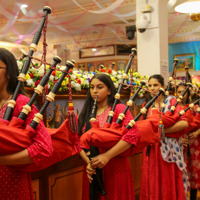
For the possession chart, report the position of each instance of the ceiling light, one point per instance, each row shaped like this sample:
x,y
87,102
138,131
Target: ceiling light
x,y
93,49
24,6
11,44
4,44
191,7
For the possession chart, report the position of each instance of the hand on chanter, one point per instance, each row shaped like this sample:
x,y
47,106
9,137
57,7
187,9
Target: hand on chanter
x,y
193,135
185,142
99,161
90,171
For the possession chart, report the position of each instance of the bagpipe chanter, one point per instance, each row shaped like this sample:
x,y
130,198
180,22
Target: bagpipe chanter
x,y
149,129
14,136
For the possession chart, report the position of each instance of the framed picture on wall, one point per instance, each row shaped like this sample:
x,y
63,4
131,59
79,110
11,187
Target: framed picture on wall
x,y
185,60
134,65
81,66
89,52
56,112
99,63
111,64
122,49
121,64
91,66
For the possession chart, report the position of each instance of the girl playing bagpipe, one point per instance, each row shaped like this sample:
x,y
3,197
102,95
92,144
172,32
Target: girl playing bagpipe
x,y
17,184
193,162
161,177
191,147
117,177
178,142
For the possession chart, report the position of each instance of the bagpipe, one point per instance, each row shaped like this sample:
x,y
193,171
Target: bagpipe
x,y
175,113
170,117
187,110
112,132
15,136
149,128
169,85
26,64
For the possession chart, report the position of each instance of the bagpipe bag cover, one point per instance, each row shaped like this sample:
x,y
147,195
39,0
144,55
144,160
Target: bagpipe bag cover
x,y
108,136
14,137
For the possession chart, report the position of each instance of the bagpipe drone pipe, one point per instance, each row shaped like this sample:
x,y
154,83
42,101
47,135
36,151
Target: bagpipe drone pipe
x,y
26,64
10,142
15,137
117,95
169,85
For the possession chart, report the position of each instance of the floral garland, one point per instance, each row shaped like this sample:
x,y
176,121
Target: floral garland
x,y
79,79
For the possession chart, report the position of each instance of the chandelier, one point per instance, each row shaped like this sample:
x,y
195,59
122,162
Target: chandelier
x,y
192,7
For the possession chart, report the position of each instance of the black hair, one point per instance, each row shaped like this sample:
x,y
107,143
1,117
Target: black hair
x,y
158,77
12,71
87,108
187,101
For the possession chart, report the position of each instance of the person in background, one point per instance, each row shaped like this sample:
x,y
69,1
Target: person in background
x,y
191,153
161,176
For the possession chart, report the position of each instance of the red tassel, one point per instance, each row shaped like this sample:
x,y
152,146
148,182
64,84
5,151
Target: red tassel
x,y
72,119
44,92
161,130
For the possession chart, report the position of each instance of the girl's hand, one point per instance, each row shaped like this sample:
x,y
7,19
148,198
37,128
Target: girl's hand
x,y
99,161
193,135
185,142
90,171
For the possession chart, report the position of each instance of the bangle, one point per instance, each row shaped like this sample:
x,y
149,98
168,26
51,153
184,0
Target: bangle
x,y
88,162
197,133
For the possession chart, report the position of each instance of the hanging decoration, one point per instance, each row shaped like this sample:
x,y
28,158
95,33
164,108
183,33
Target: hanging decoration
x,y
67,26
180,27
109,9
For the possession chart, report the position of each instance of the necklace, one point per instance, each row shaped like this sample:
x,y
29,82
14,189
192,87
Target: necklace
x,y
104,109
3,102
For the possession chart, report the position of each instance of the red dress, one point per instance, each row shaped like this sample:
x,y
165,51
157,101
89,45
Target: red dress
x,y
16,184
117,175
160,180
193,163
